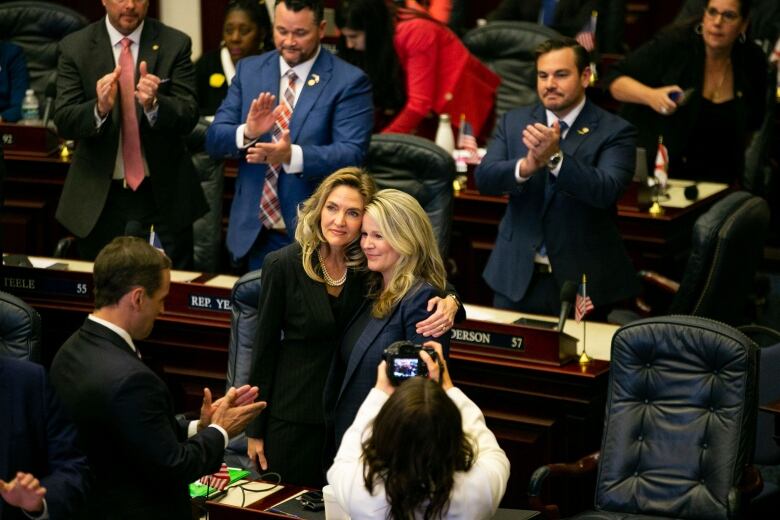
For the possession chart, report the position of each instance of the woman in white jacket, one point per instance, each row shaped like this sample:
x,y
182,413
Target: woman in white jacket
x,y
419,450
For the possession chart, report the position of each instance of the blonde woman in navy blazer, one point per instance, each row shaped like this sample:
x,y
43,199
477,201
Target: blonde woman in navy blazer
x,y
401,250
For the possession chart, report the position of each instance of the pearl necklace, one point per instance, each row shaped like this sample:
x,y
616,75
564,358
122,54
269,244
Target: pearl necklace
x,y
328,280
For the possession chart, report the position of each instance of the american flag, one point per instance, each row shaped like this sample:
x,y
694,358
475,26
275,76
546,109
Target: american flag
x,y
587,36
661,164
466,139
583,305
218,480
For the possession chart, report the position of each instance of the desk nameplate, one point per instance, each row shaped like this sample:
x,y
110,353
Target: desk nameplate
x,y
513,342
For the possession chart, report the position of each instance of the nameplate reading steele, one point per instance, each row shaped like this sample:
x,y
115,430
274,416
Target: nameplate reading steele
x,y
212,303
52,286
488,339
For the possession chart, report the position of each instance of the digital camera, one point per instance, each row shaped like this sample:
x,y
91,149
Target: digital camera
x,y
403,361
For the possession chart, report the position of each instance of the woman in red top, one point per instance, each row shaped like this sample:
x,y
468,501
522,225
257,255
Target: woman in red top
x,y
416,64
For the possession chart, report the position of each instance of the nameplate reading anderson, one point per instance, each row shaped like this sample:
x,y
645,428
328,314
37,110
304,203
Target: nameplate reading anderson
x,y
488,339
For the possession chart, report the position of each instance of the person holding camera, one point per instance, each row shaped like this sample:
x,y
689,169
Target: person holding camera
x,y
407,271
310,291
419,449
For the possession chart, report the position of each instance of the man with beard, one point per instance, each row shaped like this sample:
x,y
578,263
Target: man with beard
x,y
294,115
564,164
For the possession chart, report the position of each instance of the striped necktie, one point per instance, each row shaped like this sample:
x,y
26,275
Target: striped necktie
x,y
270,209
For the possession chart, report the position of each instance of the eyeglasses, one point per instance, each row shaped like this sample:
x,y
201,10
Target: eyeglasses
x,y
728,16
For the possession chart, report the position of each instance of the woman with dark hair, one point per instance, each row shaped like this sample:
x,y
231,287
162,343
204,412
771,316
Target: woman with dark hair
x,y
416,65
246,30
701,89
421,450
310,291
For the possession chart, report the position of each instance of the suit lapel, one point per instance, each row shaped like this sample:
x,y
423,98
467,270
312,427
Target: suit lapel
x,y
148,48
315,294
366,339
103,54
313,87
585,124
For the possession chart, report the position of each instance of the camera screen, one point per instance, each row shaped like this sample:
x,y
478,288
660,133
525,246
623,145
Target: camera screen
x,y
404,368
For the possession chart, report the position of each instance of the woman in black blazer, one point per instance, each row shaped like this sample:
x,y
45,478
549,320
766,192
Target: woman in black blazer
x,y
310,291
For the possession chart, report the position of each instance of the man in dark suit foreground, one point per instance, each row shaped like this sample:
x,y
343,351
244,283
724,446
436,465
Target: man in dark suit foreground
x,y
142,457
564,163
126,92
42,474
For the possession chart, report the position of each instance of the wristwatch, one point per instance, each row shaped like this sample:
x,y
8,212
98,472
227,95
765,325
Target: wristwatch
x,y
554,160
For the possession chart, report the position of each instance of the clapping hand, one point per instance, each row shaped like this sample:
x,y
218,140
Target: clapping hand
x,y
24,492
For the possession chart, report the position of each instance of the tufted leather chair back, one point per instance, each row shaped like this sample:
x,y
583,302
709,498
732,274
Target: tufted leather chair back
x,y
243,328
37,27
680,421
422,169
726,248
508,48
20,329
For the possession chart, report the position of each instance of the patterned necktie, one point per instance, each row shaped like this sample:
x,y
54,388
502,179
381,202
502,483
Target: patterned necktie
x,y
548,12
270,209
131,139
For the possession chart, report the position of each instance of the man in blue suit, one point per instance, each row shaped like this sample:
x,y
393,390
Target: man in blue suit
x,y
564,163
329,128
41,471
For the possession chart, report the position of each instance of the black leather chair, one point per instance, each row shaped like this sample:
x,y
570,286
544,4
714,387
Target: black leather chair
x,y
37,27
680,424
727,246
243,327
422,169
508,49
20,329
207,230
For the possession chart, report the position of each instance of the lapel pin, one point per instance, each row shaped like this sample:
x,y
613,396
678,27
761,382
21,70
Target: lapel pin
x,y
155,47
313,80
584,130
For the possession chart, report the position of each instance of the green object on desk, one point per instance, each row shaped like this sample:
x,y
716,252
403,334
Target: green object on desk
x,y
200,490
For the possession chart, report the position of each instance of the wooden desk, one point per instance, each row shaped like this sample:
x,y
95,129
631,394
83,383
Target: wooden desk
x,y
258,504
660,243
539,413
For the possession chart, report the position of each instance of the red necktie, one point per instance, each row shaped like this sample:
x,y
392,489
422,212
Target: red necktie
x,y
131,139
270,210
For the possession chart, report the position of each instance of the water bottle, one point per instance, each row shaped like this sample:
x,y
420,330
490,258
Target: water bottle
x,y
444,136
30,106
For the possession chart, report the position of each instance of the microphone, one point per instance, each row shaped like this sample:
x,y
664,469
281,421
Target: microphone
x,y
692,192
568,293
133,228
50,93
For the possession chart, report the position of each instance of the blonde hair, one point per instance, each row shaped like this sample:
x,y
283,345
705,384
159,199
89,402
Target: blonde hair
x,y
407,229
308,232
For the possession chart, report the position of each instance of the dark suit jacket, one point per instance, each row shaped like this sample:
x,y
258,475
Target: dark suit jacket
x,y
332,122
209,96
577,222
297,335
86,56
140,455
347,387
36,437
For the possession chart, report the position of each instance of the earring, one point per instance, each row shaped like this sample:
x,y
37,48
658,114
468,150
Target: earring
x,y
742,37
698,29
